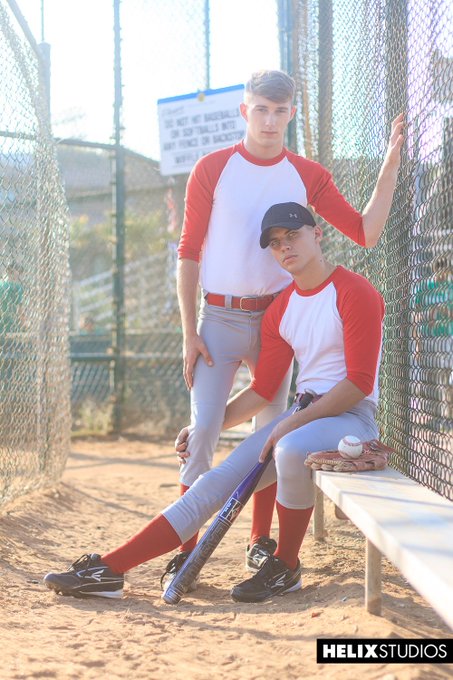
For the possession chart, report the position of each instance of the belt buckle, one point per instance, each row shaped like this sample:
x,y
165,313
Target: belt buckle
x,y
240,304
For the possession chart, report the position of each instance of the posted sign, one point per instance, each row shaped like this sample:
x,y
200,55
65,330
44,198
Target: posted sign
x,y
192,125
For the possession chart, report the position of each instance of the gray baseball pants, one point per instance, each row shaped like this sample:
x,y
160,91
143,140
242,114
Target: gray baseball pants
x,y
232,337
294,486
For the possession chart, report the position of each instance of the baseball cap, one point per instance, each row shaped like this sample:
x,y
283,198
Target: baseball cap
x,y
287,216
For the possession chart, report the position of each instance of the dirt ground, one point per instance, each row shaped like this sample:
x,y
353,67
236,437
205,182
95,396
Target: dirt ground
x,y
109,490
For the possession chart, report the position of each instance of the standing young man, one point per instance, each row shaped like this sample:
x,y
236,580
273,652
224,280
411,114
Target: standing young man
x,y
228,193
330,320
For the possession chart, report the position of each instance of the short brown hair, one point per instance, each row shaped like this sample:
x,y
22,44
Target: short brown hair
x,y
277,86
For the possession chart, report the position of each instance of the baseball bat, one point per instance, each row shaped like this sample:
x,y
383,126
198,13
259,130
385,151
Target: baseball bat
x,y
218,528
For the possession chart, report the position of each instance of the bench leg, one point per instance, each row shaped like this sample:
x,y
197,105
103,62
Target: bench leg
x,y
318,515
373,591
339,514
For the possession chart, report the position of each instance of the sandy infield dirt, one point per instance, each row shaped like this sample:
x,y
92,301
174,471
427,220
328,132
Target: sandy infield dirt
x,y
110,489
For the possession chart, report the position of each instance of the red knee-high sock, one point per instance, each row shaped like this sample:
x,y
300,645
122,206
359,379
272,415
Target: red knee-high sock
x,y
262,511
293,526
192,542
157,538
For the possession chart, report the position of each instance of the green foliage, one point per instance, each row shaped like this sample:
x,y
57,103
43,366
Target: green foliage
x,y
93,418
90,249
146,235
92,245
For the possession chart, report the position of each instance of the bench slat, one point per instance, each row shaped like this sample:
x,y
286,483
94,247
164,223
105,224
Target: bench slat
x,y
410,524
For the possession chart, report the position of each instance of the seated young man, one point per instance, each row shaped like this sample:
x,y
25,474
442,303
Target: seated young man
x,y
330,320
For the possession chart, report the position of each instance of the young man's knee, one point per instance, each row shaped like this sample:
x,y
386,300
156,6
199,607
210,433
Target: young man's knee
x,y
294,484
289,457
205,428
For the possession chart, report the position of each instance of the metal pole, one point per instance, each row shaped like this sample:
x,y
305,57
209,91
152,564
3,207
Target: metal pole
x,y
44,49
42,22
286,41
325,91
284,35
44,64
207,40
14,7
302,60
398,397
118,329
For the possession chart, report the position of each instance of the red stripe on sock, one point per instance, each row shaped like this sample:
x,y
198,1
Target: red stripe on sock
x,y
262,511
293,526
157,538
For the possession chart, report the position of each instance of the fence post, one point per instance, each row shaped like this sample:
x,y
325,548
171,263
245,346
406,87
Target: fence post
x,y
287,40
396,394
118,328
44,49
207,41
325,88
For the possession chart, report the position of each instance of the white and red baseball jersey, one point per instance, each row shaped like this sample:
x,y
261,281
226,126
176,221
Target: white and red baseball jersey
x,y
228,193
334,332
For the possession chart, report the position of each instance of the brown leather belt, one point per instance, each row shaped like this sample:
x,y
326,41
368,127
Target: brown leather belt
x,y
245,304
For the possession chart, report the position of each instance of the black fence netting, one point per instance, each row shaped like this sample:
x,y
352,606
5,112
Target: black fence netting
x,y
358,65
34,366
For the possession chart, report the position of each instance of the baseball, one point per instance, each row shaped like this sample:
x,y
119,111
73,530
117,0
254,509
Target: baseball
x,y
350,447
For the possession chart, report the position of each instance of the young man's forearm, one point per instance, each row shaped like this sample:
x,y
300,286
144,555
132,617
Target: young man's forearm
x,y
242,407
247,403
344,396
341,398
187,286
377,210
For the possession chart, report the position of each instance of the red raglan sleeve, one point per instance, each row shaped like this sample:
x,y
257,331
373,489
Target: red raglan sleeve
x,y
276,354
199,201
361,308
324,196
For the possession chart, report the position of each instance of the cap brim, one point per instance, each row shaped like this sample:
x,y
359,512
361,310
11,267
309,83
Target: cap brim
x,y
264,238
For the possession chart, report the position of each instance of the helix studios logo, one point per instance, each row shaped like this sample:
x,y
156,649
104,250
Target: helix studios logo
x,y
379,650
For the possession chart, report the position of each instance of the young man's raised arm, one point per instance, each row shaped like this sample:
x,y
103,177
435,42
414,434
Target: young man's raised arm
x,y
377,210
364,228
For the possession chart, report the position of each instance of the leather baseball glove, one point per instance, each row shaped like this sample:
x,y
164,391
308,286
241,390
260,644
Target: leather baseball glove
x,y
373,457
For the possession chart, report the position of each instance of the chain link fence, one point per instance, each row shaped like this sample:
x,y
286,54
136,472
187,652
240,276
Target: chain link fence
x,y
358,66
153,385
140,385
34,368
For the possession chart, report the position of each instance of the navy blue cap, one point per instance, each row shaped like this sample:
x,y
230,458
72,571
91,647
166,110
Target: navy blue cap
x,y
285,216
